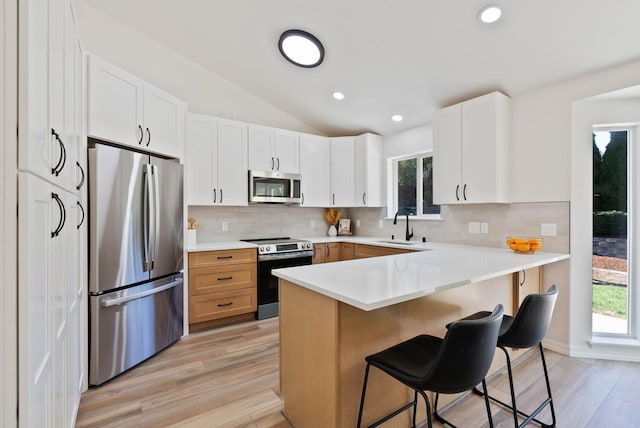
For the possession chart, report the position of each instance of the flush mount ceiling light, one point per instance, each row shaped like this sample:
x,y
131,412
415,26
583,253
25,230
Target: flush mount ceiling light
x,y
396,118
301,48
338,95
490,14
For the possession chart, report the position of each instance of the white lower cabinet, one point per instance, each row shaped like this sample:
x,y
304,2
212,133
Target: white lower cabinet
x,y
216,161
315,164
343,192
50,327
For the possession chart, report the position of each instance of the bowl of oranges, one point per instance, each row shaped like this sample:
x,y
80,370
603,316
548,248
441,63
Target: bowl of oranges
x,y
524,245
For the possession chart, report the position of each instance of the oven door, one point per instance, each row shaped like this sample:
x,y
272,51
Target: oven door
x,y
268,283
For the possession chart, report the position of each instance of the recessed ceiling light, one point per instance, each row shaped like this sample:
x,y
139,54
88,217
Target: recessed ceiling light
x,y
338,95
396,118
301,48
490,14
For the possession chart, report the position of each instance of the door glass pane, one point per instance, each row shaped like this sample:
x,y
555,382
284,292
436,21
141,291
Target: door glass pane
x,y
407,194
427,187
610,232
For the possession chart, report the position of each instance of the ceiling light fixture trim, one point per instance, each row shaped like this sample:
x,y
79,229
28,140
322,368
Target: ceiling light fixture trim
x,y
301,48
490,14
338,95
396,118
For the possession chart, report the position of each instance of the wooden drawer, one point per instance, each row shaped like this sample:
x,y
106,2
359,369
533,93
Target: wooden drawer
x,y
221,278
364,251
221,257
220,305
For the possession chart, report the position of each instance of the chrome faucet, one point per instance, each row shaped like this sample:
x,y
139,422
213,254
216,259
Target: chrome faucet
x,y
407,235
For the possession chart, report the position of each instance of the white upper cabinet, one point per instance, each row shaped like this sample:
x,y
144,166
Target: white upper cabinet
x,y
216,161
315,164
343,189
369,177
126,110
471,151
272,149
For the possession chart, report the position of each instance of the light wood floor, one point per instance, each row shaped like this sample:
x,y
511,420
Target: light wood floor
x,y
228,377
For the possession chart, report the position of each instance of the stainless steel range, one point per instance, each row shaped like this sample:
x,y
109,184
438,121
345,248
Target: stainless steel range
x,y
276,253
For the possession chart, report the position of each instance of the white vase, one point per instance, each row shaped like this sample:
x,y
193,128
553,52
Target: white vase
x,y
332,231
190,238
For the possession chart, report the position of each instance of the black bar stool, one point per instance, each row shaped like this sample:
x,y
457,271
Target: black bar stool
x,y
526,330
451,365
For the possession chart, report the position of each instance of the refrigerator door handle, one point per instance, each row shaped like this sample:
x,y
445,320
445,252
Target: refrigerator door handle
x,y
146,216
121,300
155,215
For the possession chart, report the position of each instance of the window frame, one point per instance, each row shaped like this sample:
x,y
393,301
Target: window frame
x,y
392,195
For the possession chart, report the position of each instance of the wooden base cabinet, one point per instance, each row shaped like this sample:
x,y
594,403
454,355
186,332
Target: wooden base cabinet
x,y
326,253
362,251
222,286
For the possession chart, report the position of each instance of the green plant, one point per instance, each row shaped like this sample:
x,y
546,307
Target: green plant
x,y
610,300
610,224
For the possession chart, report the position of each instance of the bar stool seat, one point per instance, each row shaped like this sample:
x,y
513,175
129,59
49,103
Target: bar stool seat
x,y
525,330
450,365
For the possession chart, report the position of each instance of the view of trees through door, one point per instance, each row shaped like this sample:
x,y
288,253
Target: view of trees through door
x,y
611,298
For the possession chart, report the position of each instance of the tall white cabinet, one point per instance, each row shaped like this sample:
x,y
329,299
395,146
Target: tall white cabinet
x,y
216,161
315,164
471,151
52,195
369,172
343,179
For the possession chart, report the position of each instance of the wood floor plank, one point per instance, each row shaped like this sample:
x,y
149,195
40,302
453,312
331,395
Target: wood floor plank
x,y
229,377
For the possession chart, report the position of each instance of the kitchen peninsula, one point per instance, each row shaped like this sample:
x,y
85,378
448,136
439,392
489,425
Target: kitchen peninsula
x,y
333,315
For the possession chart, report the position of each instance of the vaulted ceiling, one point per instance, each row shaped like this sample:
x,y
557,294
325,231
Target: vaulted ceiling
x,y
388,57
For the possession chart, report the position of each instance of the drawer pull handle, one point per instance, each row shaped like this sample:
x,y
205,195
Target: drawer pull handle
x,y
225,278
224,257
224,304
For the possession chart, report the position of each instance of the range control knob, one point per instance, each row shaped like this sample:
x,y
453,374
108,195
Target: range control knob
x,y
267,248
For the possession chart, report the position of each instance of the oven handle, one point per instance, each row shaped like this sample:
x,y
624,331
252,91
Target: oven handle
x,y
283,256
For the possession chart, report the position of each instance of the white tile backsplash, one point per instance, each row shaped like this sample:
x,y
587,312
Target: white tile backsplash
x,y
267,221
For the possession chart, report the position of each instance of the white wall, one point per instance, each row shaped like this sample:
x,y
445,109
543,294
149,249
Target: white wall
x,y
587,113
544,135
204,91
8,221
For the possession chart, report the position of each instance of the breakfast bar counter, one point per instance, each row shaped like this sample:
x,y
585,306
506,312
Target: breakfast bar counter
x,y
333,315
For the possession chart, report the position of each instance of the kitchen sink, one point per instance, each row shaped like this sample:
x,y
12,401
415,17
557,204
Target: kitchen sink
x,y
391,241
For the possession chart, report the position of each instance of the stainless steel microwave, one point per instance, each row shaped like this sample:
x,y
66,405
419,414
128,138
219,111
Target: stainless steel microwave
x,y
274,187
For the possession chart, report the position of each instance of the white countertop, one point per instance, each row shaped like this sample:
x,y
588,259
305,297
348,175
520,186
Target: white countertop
x,y
214,246
377,282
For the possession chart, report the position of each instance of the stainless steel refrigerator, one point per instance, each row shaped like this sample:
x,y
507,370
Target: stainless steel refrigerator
x,y
135,258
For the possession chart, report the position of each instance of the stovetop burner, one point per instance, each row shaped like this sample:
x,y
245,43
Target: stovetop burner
x,y
280,245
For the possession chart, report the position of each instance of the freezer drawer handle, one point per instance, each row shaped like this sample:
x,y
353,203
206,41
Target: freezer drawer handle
x,y
121,300
224,304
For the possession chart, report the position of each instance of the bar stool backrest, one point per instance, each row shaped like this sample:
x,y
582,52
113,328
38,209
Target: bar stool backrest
x,y
465,355
532,321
